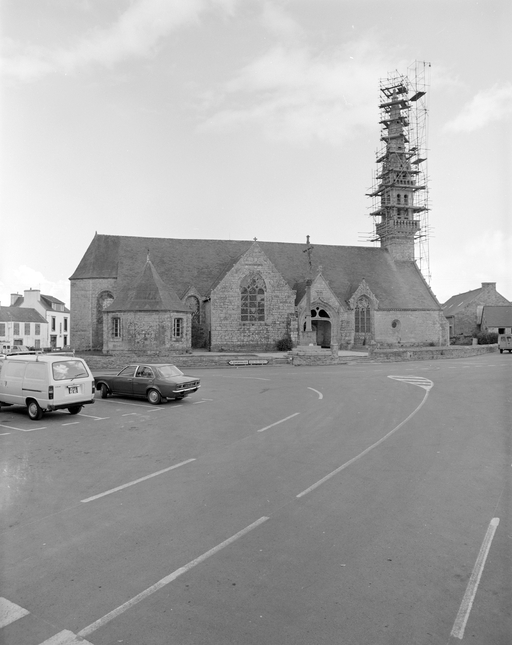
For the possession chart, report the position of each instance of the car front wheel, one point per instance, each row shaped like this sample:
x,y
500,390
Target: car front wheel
x,y
34,410
103,391
154,397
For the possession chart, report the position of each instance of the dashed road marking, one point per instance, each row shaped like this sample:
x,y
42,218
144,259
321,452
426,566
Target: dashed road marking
x,y
165,581
9,612
278,422
467,602
320,395
137,481
66,638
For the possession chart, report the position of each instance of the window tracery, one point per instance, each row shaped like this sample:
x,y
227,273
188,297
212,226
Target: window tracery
x,y
252,298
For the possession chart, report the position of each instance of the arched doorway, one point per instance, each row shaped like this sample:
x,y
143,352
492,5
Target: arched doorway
x,y
321,323
105,298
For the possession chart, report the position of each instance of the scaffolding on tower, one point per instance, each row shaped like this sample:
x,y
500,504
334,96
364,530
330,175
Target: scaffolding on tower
x,y
404,101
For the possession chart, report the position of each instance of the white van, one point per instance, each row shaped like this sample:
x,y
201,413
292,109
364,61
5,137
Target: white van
x,y
43,382
505,343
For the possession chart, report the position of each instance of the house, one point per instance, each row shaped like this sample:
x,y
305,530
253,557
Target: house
x,y
464,311
497,319
53,311
22,326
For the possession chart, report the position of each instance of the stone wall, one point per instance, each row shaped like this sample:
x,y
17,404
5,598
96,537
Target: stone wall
x,y
410,328
147,332
228,332
83,318
430,353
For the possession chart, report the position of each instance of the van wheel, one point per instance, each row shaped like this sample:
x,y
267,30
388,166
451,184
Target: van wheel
x,y
154,397
75,409
34,410
103,391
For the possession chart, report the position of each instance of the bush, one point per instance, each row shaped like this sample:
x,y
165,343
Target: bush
x,y
284,344
487,337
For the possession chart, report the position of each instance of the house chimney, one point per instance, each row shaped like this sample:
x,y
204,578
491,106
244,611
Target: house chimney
x,y
489,286
32,297
14,297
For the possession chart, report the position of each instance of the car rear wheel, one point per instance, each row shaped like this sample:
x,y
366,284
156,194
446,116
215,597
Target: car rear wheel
x,y
154,397
75,409
34,410
103,391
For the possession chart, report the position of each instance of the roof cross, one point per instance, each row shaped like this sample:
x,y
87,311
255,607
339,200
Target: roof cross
x,y
308,251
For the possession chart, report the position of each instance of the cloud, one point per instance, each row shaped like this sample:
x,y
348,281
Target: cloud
x,y
136,34
298,94
487,106
16,279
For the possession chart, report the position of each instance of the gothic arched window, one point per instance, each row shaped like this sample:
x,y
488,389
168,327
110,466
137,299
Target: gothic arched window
x,y
252,298
362,316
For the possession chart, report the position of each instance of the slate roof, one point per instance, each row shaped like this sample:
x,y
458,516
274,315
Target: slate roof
x,y
147,293
21,315
498,315
459,302
46,302
201,264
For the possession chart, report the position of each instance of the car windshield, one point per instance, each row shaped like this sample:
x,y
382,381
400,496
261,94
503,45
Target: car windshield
x,y
169,370
63,370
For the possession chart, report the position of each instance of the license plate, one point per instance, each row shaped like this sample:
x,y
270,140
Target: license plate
x,y
73,390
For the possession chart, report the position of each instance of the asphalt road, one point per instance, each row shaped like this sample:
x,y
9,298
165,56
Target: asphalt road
x,y
345,505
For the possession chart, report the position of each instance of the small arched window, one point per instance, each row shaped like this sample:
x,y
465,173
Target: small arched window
x,y
193,304
398,199
362,316
252,299
406,199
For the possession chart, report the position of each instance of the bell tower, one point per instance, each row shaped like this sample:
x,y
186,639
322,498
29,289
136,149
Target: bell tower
x,y
400,183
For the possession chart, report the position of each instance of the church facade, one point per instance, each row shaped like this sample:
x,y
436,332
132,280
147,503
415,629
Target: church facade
x,y
248,295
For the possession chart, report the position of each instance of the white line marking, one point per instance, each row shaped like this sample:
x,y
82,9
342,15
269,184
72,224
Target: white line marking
x,y
467,602
165,581
71,423
278,422
129,414
9,612
65,638
137,481
4,434
365,452
139,405
320,395
90,416
198,402
22,429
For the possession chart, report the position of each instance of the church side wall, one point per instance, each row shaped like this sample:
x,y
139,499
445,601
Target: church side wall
x,y
410,328
149,332
83,318
228,331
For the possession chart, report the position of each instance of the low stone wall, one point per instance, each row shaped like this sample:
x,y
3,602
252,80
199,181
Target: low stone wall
x,y
99,362
430,353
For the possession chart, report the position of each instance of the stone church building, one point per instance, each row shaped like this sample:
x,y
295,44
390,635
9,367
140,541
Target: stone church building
x,y
134,293
167,295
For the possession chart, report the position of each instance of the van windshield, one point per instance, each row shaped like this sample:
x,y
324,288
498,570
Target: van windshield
x,y
63,370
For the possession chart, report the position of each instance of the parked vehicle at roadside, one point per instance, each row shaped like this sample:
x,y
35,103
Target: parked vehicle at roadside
x,y
43,383
505,343
152,381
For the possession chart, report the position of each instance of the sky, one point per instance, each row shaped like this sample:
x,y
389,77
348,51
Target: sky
x,y
242,119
